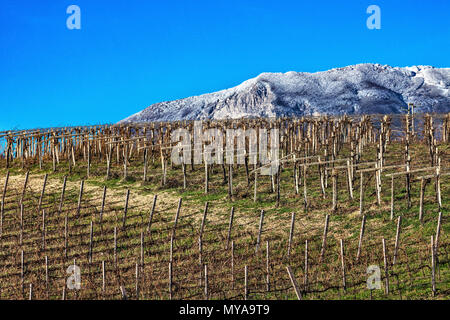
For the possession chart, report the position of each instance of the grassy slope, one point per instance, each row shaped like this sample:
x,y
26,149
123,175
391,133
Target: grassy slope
x,y
409,278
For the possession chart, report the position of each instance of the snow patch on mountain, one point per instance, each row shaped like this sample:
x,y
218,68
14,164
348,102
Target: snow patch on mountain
x,y
358,89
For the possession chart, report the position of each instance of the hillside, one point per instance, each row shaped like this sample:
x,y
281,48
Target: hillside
x,y
358,89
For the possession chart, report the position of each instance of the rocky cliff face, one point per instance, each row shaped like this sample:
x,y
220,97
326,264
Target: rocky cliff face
x,y
358,89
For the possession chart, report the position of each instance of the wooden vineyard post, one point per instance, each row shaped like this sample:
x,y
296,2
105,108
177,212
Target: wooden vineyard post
x,y
272,180
294,283
200,258
115,248
392,197
438,184
261,221
324,239
205,213
445,129
433,267
8,152
230,227
108,161
172,238
74,266
30,295
246,168
170,280
305,190
245,282
255,190
73,156
200,237
325,171
66,226
378,184
24,186
278,184
343,265
42,193
184,175
103,207
305,282
88,169
408,177
46,276
386,270
295,176
125,162
125,210
164,169
137,280
91,240
422,191
80,196
141,260
397,239
21,224
53,155
291,234
361,195
103,278
321,174
152,211
117,151
334,183
22,271
230,182
207,177
361,234
438,232
43,229
206,281
63,296
267,267
69,164
146,165
349,180
232,265
2,209
63,191
123,293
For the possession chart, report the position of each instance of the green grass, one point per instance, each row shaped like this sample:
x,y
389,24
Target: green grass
x,y
412,268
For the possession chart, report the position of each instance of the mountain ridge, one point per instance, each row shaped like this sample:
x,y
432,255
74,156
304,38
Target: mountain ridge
x,y
357,89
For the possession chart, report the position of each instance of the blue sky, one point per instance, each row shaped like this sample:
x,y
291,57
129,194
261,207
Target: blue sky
x,y
130,54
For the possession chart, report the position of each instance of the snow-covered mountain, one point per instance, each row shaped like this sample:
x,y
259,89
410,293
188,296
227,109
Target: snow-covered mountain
x,y
358,89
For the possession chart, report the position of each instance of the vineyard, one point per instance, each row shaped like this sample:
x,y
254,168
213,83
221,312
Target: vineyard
x,y
349,193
